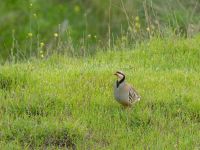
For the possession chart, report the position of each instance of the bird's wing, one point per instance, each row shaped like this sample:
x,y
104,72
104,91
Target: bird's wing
x,y
133,95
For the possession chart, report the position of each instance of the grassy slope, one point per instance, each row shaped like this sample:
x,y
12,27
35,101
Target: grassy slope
x,y
65,101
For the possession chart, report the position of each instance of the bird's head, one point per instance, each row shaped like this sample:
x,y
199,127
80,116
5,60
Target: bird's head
x,y
120,75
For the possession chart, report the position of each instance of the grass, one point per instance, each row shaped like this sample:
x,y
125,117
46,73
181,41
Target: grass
x,y
100,20
63,102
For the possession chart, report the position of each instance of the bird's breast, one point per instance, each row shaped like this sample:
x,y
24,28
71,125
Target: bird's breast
x,y
120,94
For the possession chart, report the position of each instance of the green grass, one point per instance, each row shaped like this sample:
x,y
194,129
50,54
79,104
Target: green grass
x,y
89,17
68,102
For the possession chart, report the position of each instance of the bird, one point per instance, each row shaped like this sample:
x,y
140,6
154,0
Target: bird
x,y
124,93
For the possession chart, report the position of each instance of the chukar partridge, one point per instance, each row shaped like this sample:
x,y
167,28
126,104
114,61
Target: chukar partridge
x,y
124,93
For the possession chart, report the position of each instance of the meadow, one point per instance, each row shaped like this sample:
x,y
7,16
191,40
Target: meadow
x,y
57,61
62,101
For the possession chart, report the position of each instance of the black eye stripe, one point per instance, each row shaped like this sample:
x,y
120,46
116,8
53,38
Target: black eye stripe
x,y
120,73
122,80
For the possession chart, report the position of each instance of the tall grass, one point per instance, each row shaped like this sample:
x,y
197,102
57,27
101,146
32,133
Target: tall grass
x,y
84,24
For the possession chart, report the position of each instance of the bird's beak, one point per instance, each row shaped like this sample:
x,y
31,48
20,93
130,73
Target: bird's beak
x,y
115,74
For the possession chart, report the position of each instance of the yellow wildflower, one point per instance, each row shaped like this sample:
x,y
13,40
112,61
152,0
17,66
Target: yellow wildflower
x,y
137,18
89,35
55,34
41,44
77,8
137,25
30,34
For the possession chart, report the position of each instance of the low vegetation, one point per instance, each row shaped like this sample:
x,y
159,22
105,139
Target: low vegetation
x,y
60,101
